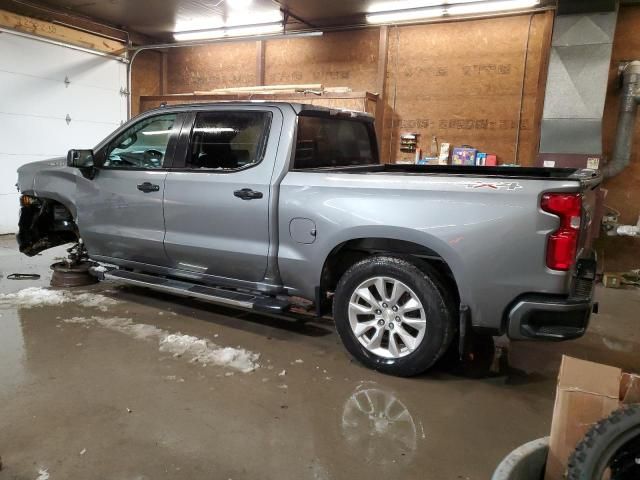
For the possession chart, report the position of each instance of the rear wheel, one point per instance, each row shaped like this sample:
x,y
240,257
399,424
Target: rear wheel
x,y
394,316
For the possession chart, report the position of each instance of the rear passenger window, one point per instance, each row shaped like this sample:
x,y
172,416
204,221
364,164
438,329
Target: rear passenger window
x,y
228,140
333,142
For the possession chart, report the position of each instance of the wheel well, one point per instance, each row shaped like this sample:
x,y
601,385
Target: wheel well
x,y
44,223
349,253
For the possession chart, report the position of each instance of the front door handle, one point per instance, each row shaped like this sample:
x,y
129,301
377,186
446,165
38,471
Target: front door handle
x,y
148,187
247,194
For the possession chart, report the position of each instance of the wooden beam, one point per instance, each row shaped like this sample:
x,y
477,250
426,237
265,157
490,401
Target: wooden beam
x,y
260,62
44,13
60,33
383,60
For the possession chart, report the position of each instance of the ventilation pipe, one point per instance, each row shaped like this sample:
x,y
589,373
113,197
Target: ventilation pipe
x,y
629,100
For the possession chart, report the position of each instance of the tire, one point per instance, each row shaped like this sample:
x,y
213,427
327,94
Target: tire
x,y
611,443
415,337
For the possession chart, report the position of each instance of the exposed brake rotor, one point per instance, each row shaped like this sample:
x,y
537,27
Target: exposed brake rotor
x,y
74,270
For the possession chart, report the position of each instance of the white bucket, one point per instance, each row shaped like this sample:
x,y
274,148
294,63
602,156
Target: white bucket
x,y
525,463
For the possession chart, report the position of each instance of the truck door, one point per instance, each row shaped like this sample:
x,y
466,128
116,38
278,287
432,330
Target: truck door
x,y
217,196
120,210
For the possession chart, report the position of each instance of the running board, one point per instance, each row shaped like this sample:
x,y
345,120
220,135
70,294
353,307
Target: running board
x,y
210,294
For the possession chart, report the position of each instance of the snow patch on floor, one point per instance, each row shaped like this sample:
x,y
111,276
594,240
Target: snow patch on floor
x,y
43,474
202,351
196,349
44,297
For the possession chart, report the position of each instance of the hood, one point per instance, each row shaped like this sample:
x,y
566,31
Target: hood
x,y
27,172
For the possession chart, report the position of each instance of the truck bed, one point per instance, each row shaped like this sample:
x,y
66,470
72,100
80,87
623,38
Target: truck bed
x,y
530,173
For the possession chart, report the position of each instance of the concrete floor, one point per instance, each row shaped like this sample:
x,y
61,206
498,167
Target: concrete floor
x,y
87,399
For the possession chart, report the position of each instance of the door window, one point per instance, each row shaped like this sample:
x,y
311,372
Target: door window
x,y
143,145
226,140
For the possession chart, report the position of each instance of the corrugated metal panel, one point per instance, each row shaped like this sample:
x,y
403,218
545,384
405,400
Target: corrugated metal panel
x,y
577,83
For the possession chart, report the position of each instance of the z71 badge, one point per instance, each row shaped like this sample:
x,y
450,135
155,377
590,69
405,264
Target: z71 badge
x,y
511,186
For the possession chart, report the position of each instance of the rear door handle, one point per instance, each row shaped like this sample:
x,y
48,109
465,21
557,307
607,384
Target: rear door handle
x,y
247,194
148,187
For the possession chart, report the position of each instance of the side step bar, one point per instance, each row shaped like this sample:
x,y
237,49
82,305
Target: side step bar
x,y
210,294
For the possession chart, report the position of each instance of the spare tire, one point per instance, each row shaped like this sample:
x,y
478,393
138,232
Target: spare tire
x,y
612,445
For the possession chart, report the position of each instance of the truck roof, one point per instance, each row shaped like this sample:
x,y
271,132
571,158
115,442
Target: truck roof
x,y
298,108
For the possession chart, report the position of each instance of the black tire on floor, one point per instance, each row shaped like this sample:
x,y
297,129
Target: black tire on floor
x,y
440,311
613,442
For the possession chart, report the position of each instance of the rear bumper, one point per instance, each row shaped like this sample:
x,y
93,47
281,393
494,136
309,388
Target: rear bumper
x,y
549,317
537,317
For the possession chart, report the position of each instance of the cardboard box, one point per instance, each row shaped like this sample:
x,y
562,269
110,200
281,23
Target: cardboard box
x,y
587,392
463,156
630,388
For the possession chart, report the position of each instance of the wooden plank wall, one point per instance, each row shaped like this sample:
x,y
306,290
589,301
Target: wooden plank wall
x,y
617,254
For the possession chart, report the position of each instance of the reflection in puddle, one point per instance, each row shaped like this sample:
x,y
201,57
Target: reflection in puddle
x,y
378,427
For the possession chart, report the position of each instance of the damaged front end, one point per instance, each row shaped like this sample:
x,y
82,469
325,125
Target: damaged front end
x,y
44,224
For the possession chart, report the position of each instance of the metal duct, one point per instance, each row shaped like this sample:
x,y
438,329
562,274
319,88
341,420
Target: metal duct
x,y
577,84
629,99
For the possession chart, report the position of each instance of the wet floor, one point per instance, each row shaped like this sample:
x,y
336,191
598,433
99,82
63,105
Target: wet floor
x,y
90,388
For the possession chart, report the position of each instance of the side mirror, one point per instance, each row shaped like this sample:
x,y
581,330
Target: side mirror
x,y
80,158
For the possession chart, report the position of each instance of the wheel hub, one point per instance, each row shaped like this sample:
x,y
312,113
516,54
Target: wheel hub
x,y
387,317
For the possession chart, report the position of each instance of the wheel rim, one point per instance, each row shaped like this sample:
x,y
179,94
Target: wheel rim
x,y
387,317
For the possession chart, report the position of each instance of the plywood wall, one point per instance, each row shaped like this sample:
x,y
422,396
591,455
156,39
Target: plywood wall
x,y
460,81
145,77
335,59
624,190
463,82
213,66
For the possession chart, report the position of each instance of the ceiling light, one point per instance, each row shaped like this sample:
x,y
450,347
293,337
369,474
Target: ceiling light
x,y
244,18
230,31
239,4
485,7
405,15
394,6
412,10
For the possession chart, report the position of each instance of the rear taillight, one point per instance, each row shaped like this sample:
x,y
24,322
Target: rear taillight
x,y
562,244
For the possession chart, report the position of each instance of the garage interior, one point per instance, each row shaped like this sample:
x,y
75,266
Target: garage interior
x,y
88,389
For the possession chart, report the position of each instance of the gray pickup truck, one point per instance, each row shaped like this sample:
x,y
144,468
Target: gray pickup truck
x,y
264,205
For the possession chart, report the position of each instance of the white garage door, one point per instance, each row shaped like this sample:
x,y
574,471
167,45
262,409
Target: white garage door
x,y
43,116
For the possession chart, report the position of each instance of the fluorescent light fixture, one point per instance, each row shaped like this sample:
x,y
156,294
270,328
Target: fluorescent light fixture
x,y
412,10
230,31
485,7
392,6
237,17
239,4
405,15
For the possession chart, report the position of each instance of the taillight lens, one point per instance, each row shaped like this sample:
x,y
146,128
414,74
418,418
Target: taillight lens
x,y
562,244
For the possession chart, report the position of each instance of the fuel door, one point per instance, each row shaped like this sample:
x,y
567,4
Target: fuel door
x,y
303,230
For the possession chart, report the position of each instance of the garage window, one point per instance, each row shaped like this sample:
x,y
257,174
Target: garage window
x,y
228,140
333,142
